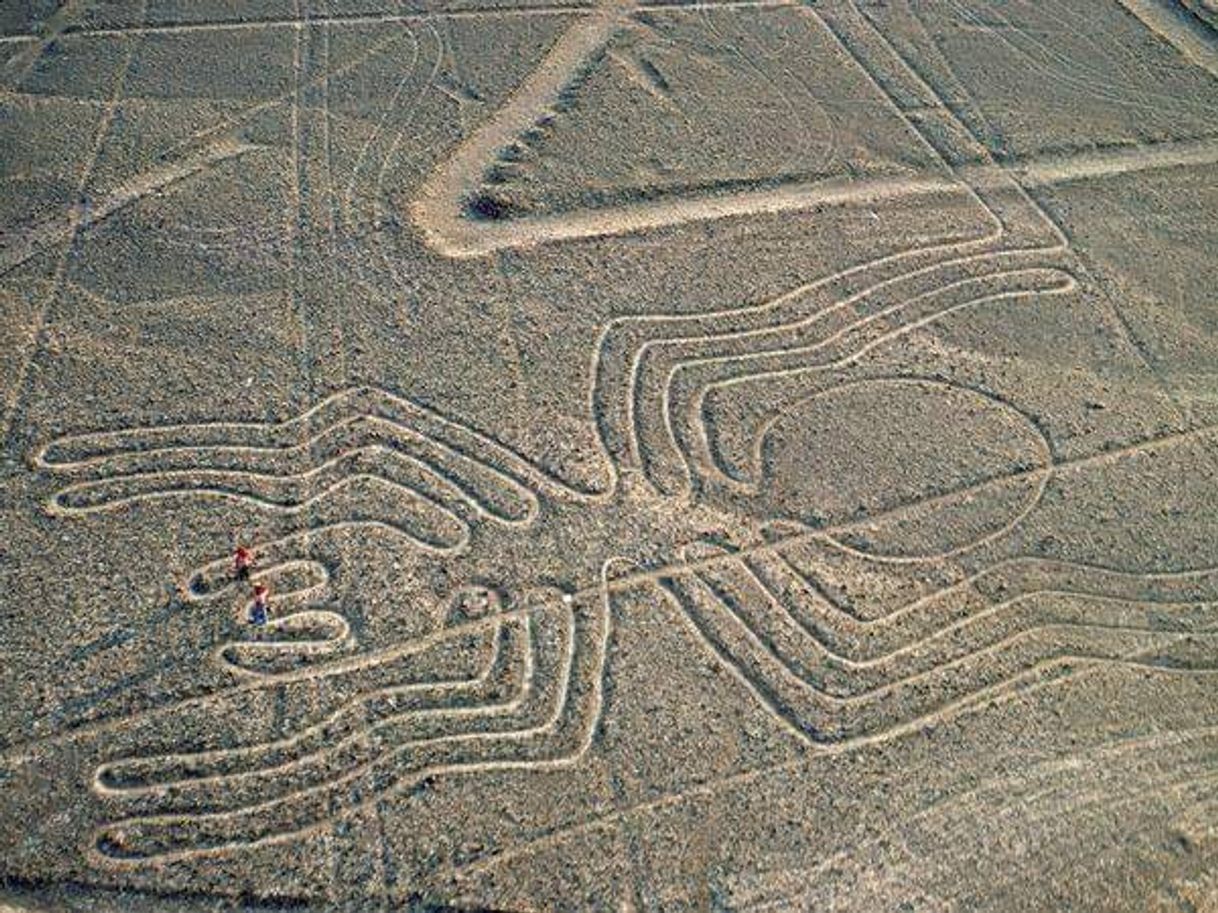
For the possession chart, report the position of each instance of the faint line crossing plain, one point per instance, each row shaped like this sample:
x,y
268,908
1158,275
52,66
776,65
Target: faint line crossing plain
x,y
472,12
131,191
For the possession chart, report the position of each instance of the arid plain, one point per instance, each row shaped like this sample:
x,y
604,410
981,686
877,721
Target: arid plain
x,y
738,456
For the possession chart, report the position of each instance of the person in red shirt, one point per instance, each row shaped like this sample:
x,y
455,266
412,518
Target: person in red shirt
x,y
260,611
243,562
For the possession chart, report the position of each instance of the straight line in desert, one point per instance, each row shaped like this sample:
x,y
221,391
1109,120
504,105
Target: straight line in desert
x,y
1045,171
257,24
15,70
1180,28
29,243
1145,744
473,12
242,25
438,211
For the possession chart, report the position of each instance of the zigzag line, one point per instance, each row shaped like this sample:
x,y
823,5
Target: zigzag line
x,y
785,659
295,637
258,780
377,743
433,476
506,642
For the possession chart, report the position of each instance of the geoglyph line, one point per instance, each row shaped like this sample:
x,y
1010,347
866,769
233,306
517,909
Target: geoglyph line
x,y
67,239
298,636
1037,56
711,341
439,208
422,15
572,49
1137,745
170,836
860,641
214,582
1108,778
96,450
505,645
549,724
691,450
459,236
945,618
259,776
1195,42
33,242
826,699
438,474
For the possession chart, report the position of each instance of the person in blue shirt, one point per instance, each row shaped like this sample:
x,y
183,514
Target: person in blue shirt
x,y
260,610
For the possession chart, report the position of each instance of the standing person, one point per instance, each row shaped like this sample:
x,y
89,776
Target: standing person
x,y
260,611
243,562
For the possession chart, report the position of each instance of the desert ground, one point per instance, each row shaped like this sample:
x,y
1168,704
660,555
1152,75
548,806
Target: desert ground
x,y
755,455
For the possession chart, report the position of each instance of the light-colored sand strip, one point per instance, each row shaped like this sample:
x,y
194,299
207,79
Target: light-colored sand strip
x,y
571,695
1147,745
1171,22
293,22
464,237
437,210
29,243
1205,10
457,236
1063,169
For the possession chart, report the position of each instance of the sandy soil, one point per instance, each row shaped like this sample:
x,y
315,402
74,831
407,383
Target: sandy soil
x,y
745,455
